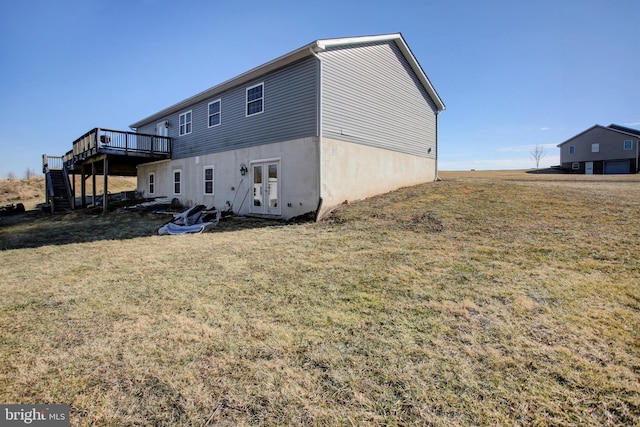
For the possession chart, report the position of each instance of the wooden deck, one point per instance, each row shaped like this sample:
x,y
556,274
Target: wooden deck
x,y
126,148
108,152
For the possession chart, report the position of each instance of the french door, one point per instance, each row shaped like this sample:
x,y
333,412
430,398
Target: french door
x,y
266,187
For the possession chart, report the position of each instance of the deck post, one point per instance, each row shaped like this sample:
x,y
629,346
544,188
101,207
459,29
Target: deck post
x,y
73,177
83,188
105,192
93,183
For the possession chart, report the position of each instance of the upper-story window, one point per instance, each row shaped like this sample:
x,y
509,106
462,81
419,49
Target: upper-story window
x,y
595,148
214,113
185,123
628,144
572,149
255,98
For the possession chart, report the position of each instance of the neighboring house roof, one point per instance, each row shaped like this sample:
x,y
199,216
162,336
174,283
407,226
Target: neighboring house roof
x,y
611,127
625,129
296,55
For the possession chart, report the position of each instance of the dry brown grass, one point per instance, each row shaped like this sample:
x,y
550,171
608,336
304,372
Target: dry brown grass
x,y
30,192
492,301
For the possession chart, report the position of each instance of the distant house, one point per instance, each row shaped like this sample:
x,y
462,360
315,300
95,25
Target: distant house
x,y
335,120
601,150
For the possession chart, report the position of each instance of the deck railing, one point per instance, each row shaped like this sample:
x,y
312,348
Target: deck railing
x,y
113,141
52,163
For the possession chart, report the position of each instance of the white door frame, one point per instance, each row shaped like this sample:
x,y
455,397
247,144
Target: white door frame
x,y
266,199
161,128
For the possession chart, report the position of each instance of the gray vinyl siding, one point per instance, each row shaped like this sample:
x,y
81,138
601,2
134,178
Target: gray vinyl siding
x,y
289,112
611,146
372,96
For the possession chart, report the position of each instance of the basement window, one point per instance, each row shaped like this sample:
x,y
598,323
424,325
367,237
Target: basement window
x,y
628,144
575,166
152,183
208,180
185,123
177,181
255,97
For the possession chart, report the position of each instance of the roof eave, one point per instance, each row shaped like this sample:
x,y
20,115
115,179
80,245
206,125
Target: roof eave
x,y
404,48
294,56
243,78
609,128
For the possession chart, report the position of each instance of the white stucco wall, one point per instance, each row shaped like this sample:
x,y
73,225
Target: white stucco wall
x,y
353,171
298,174
349,172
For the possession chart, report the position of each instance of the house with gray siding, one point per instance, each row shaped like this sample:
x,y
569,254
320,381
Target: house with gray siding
x,y
335,120
600,149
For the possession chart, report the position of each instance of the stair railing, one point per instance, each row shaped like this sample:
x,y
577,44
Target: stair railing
x,y
50,163
70,195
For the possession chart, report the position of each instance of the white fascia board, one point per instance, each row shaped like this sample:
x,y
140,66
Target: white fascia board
x,y
404,48
294,56
323,44
243,78
415,65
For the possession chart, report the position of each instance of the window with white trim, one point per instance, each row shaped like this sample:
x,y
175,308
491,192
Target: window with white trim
x,y
572,149
255,98
628,144
152,183
177,181
208,180
185,123
595,148
214,113
575,166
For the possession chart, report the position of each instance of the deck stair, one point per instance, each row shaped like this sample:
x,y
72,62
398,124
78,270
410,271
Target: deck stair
x,y
58,188
60,196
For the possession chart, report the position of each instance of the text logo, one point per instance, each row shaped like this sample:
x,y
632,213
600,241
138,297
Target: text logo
x,y
34,415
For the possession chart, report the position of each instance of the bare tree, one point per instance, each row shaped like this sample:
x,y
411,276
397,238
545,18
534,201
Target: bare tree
x,y
537,153
29,173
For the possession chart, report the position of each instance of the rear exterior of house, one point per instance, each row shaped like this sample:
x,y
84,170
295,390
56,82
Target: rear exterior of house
x,y
338,119
601,150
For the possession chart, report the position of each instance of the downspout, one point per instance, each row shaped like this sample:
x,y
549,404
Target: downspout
x,y
437,176
319,129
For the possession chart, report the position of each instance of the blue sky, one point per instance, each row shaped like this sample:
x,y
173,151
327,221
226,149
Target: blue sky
x,y
512,74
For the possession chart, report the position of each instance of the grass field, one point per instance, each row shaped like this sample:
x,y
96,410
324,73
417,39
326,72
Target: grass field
x,y
489,298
